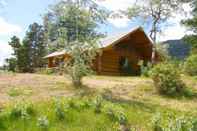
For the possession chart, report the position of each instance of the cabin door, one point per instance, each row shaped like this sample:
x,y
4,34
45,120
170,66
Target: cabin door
x,y
125,66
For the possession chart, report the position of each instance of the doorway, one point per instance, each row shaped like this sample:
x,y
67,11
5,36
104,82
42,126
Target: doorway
x,y
125,66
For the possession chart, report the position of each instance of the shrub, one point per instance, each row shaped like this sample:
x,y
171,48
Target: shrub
x,y
190,65
16,111
59,110
122,118
145,69
98,104
43,123
172,123
167,79
116,113
23,110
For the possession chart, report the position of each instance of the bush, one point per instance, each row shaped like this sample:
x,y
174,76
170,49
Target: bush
x,y
167,79
172,123
43,123
98,104
60,110
145,69
190,65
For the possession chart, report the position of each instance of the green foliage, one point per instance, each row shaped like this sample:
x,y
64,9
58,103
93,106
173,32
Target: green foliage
x,y
21,111
113,116
155,13
15,92
34,48
60,110
116,113
167,79
190,65
69,21
46,71
98,104
72,25
145,69
14,63
191,24
29,54
172,123
43,123
11,64
80,63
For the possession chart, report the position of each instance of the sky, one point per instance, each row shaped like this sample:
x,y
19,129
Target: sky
x,y
17,15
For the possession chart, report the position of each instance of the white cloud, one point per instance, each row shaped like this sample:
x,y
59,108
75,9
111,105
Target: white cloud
x,y
119,22
176,30
6,31
116,5
5,51
7,28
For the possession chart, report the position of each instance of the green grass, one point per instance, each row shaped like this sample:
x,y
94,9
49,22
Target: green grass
x,y
81,116
136,97
15,91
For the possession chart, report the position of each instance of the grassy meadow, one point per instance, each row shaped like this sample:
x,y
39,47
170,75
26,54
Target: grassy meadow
x,y
33,102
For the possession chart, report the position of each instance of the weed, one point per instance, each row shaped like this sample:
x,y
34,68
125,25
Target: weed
x,y
98,104
43,123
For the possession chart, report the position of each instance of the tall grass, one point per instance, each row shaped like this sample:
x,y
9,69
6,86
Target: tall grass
x,y
77,114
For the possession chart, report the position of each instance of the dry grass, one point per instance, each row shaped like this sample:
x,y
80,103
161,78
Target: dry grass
x,y
142,90
32,86
39,87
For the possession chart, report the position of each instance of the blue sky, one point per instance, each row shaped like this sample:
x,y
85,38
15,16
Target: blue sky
x,y
16,15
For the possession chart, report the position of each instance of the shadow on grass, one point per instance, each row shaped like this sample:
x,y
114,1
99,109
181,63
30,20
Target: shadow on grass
x,y
84,90
186,94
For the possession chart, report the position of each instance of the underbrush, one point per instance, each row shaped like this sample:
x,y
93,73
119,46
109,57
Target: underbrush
x,y
84,114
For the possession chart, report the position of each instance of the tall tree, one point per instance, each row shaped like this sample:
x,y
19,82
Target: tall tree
x,y
28,55
15,63
155,14
34,47
191,24
70,20
11,64
73,25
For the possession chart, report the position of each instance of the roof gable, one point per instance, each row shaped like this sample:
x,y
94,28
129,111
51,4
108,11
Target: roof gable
x,y
110,41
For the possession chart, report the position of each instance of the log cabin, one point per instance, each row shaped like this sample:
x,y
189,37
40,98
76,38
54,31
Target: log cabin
x,y
120,54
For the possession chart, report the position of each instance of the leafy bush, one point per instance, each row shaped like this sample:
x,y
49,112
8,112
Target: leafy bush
x,y
116,113
43,123
60,110
190,65
172,123
98,104
23,111
167,79
145,70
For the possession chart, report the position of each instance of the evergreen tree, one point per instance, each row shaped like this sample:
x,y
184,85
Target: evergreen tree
x,y
29,55
191,24
14,64
34,48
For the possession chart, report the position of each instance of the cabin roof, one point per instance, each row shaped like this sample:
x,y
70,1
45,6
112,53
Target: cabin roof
x,y
108,41
57,53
